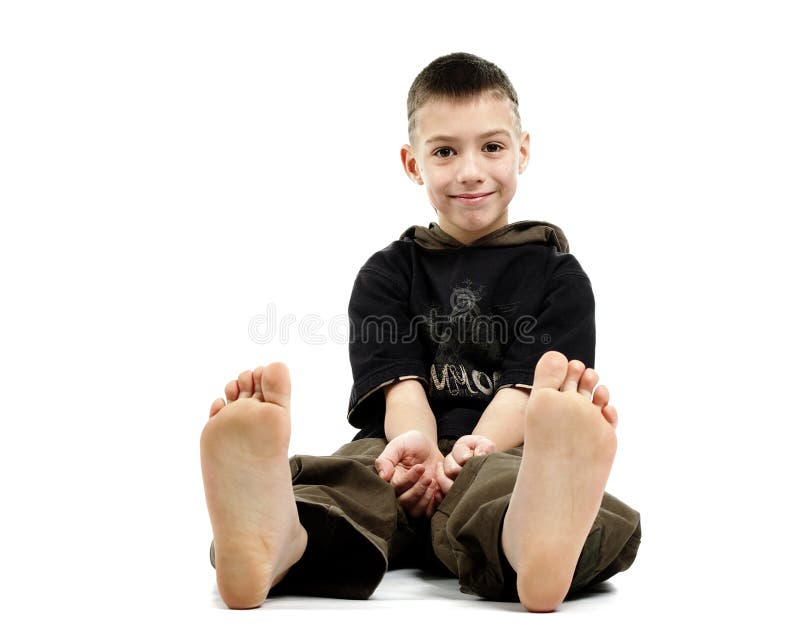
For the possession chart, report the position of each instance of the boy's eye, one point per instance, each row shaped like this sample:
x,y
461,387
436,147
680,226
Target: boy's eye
x,y
493,147
443,152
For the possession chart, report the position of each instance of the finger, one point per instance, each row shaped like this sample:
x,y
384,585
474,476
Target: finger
x,y
443,480
435,500
385,468
407,481
402,480
463,450
390,453
415,493
451,467
389,458
410,499
485,447
419,507
425,502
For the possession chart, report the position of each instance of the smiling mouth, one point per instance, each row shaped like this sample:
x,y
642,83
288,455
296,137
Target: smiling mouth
x,y
471,198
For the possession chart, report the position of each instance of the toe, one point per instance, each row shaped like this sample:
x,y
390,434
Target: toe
x,y
216,407
601,397
246,388
588,382
550,371
276,386
610,414
258,393
232,391
575,370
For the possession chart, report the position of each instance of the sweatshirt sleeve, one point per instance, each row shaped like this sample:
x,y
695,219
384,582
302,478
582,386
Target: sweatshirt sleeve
x,y
564,322
385,346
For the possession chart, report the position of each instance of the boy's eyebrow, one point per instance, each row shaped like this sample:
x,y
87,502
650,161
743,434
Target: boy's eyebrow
x,y
493,132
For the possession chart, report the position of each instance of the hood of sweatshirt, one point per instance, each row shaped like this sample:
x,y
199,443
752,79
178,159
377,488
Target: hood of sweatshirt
x,y
517,233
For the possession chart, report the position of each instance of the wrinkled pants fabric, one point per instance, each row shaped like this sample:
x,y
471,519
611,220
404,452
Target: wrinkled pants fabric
x,y
357,530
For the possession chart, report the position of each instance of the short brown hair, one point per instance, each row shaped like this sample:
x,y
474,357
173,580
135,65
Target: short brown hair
x,y
459,76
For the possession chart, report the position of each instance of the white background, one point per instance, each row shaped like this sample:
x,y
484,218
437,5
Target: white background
x,y
169,170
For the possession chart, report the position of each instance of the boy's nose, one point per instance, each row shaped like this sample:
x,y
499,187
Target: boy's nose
x,y
469,169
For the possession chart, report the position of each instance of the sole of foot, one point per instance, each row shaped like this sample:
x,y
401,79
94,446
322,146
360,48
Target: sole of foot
x,y
244,459
570,443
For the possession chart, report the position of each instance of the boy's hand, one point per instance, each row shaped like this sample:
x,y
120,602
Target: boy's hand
x,y
464,448
409,463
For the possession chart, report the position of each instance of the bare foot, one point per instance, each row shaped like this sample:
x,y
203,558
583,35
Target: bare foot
x,y
244,457
570,442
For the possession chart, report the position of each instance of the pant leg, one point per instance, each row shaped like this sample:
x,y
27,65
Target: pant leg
x,y
354,524
466,531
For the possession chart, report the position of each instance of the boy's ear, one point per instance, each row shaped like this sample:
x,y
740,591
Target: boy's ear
x,y
410,164
524,151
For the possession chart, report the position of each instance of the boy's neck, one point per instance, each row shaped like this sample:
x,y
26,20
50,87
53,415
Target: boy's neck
x,y
468,237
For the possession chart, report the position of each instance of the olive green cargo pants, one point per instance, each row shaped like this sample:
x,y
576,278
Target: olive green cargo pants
x,y
357,530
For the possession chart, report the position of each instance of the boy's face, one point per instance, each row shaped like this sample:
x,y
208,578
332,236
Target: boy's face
x,y
468,155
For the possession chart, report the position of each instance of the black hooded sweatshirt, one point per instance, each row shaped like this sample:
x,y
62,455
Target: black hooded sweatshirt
x,y
466,320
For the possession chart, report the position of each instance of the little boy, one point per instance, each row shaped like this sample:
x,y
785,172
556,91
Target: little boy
x,y
485,442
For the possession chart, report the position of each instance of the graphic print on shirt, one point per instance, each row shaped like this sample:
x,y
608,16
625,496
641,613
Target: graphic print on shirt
x,y
470,342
